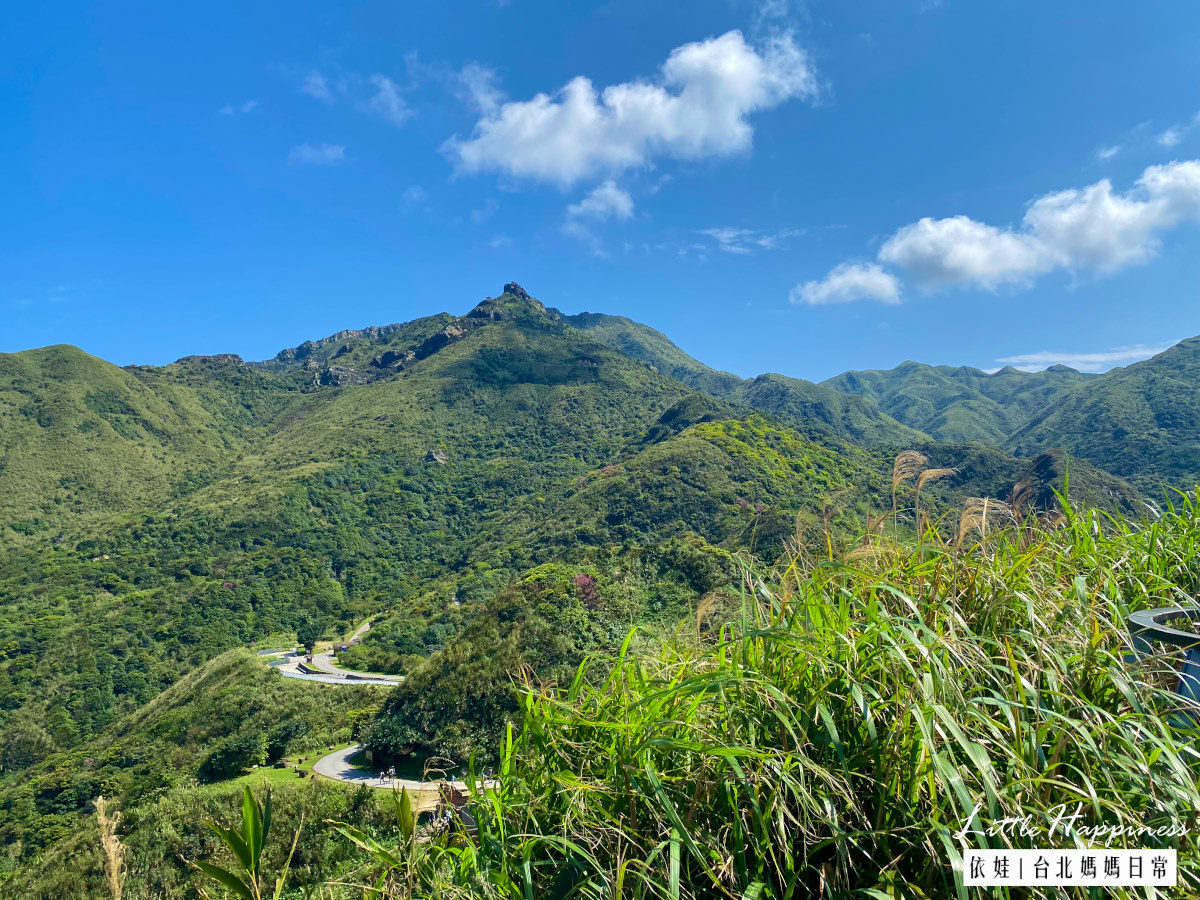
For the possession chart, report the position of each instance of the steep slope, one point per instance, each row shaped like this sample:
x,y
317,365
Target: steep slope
x,y
641,342
1141,422
641,540
80,436
800,403
960,404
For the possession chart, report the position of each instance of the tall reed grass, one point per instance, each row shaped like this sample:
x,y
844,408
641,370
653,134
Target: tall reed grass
x,y
836,735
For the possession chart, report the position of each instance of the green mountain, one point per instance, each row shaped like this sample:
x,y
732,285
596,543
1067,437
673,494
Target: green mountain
x,y
510,487
800,403
79,436
961,404
1141,422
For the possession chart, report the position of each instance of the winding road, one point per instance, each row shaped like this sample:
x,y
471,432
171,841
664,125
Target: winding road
x,y
288,663
337,765
327,672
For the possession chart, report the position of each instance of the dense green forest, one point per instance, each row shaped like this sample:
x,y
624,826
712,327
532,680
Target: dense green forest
x,y
506,493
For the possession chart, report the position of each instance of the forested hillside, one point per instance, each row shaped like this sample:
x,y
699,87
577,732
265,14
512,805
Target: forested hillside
x,y
961,404
1141,422
507,490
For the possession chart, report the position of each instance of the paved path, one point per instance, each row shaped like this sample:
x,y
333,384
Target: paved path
x,y
324,662
289,664
337,766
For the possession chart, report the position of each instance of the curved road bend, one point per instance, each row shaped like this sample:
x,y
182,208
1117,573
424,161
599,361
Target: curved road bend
x,y
337,766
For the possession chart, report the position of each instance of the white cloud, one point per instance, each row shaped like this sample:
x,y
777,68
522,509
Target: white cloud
x,y
731,240
775,241
770,11
940,252
1171,136
743,241
485,212
477,87
318,155
1100,361
500,240
1104,154
1089,229
606,201
315,85
387,102
697,108
1174,135
849,282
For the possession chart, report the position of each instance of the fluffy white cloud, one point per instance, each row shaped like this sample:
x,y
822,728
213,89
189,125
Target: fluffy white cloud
x,y
1104,154
1171,136
387,102
1090,229
697,108
1100,361
847,283
318,155
606,201
940,252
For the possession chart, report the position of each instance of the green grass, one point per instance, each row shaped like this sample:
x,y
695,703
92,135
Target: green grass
x,y
834,736
273,776
283,641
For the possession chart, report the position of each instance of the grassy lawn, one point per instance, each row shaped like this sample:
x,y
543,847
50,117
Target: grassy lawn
x,y
273,776
278,641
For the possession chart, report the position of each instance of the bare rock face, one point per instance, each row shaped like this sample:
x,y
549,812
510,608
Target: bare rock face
x,y
393,359
437,455
517,291
447,335
219,359
309,347
340,375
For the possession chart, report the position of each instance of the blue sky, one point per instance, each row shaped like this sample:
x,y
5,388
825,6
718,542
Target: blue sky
x,y
800,188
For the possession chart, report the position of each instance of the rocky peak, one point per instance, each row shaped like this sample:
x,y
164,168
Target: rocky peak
x,y
514,303
374,332
218,359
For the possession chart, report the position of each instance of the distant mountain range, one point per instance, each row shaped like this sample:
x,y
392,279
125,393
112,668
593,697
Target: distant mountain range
x,y
1141,422
80,439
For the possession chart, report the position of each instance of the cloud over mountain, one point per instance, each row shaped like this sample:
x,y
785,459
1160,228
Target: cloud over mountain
x,y
1092,229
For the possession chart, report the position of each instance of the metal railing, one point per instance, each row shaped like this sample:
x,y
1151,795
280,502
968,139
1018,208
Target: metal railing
x,y
1148,626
